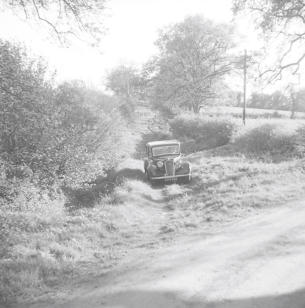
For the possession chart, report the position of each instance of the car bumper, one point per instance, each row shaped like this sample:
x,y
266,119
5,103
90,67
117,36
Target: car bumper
x,y
170,177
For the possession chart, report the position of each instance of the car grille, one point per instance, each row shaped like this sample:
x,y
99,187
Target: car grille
x,y
169,167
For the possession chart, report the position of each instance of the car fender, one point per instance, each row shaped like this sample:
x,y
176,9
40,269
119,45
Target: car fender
x,y
151,169
186,164
146,162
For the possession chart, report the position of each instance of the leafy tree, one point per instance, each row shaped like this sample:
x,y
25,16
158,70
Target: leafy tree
x,y
55,131
300,98
127,85
287,18
191,59
296,100
259,100
124,81
85,133
24,100
65,18
292,100
276,100
279,101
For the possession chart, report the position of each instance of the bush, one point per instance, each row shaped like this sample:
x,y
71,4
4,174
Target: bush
x,y
200,133
268,140
300,141
150,136
68,131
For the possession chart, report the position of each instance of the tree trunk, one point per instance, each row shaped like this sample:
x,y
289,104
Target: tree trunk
x,y
293,107
196,107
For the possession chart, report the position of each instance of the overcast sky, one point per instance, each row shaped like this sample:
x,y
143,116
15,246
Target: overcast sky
x,y
132,27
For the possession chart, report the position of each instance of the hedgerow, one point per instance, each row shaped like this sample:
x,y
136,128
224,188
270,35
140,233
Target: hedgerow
x,y
200,133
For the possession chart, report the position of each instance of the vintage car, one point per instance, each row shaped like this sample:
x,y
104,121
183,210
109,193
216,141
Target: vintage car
x,y
164,162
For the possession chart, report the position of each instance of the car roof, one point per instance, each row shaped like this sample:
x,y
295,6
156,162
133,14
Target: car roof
x,y
162,142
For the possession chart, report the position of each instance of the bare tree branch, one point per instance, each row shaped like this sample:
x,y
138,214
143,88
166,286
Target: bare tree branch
x,y
75,17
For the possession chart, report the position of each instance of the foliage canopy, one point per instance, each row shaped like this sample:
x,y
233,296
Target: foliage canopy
x,y
55,131
192,58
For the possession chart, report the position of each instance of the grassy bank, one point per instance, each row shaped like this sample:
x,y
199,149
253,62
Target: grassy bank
x,y
225,187
46,244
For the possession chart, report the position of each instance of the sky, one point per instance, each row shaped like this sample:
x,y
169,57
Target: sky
x,y
131,29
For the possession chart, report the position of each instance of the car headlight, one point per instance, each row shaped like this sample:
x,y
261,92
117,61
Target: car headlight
x,y
159,164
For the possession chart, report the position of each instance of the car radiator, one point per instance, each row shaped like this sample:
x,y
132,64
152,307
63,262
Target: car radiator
x,y
169,167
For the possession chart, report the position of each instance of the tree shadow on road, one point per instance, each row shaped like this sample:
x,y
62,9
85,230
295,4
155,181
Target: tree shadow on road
x,y
89,195
155,299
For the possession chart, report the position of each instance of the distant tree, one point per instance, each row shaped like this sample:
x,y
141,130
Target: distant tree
x,y
224,95
191,59
101,102
124,81
65,18
127,85
276,100
296,100
300,100
286,18
238,99
259,100
279,101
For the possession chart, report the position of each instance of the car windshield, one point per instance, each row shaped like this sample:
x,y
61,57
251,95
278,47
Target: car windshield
x,y
165,150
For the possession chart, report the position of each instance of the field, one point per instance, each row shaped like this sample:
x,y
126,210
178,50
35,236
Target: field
x,y
250,112
52,246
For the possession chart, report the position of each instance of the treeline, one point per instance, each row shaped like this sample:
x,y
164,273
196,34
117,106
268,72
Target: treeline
x,y
293,101
48,131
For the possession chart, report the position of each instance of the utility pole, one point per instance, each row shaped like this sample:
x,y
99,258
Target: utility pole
x,y
245,87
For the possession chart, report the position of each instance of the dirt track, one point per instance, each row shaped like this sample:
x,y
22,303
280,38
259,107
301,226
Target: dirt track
x,y
257,262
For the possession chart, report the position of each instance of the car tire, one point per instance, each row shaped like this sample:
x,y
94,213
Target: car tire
x,y
149,179
147,176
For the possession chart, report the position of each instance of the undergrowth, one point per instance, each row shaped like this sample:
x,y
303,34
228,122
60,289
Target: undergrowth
x,y
44,243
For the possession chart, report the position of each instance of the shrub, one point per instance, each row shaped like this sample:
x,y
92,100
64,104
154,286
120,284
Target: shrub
x,y
300,141
268,140
68,131
200,133
150,136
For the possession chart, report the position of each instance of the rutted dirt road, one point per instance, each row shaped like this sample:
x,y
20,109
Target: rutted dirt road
x,y
256,262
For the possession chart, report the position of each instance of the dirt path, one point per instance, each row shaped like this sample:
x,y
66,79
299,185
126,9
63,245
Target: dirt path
x,y
256,262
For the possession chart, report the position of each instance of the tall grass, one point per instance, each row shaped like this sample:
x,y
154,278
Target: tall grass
x,y
47,242
43,243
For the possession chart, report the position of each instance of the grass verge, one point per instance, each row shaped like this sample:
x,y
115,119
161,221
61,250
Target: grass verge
x,y
226,187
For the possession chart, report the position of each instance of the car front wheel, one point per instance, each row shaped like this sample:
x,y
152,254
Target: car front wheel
x,y
147,175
